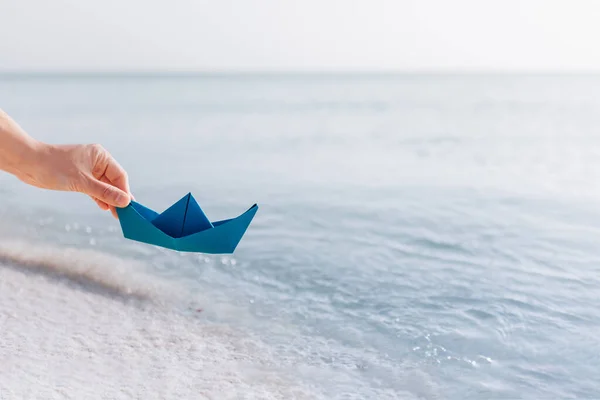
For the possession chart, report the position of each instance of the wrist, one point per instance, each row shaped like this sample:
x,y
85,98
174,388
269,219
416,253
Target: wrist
x,y
27,159
18,151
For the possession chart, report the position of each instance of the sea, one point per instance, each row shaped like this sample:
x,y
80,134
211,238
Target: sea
x,y
419,236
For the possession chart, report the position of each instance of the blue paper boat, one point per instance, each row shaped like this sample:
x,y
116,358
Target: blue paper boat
x,y
184,227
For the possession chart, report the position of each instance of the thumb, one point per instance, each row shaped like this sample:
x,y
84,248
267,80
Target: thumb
x,y
107,193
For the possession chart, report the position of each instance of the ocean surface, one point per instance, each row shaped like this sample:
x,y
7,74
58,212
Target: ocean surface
x,y
418,237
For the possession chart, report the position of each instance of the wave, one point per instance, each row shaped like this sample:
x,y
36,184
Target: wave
x,y
60,323
87,270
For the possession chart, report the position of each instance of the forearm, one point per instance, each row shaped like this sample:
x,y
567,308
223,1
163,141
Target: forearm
x,y
18,150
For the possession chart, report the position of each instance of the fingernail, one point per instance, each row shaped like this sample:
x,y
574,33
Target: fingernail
x,y
121,199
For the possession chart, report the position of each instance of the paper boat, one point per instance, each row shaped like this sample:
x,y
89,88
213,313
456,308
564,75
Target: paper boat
x,y
184,227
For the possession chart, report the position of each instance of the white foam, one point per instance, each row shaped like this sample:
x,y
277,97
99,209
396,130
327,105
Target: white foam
x,y
85,269
67,333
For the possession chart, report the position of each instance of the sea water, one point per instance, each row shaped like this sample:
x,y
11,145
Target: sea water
x,y
419,236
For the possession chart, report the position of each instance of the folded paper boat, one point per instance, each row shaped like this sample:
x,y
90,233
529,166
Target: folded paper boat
x,y
184,227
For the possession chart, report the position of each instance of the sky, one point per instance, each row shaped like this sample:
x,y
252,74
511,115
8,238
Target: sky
x,y
299,35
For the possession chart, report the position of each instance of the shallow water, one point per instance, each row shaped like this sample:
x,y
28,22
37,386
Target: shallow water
x,y
417,237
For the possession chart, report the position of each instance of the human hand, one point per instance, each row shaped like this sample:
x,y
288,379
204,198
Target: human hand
x,y
84,168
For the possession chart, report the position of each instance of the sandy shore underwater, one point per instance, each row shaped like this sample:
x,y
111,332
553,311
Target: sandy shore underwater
x,y
84,325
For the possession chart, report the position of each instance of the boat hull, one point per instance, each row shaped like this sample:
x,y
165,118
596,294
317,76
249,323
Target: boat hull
x,y
222,238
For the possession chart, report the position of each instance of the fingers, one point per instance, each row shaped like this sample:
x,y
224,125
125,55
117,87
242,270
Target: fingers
x,y
111,208
101,204
108,183
104,207
107,193
117,175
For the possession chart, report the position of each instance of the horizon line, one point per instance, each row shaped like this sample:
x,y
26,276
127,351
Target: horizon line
x,y
289,72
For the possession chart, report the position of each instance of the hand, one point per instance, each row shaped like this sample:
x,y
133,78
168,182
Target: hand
x,y
88,169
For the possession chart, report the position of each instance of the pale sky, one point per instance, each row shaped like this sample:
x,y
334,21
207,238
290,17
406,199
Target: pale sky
x,y
297,35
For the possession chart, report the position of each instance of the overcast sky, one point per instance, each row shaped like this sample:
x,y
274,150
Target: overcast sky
x,y
296,35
